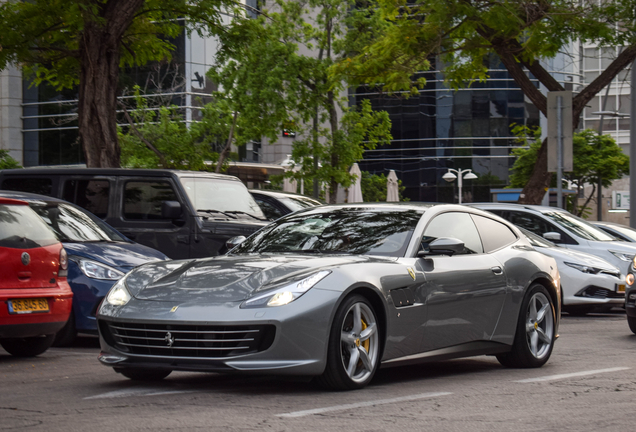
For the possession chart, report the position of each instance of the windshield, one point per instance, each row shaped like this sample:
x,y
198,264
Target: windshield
x,y
299,202
537,241
74,225
628,232
20,228
220,195
579,227
350,230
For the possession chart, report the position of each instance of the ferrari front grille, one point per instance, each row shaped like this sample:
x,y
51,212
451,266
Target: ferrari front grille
x,y
192,341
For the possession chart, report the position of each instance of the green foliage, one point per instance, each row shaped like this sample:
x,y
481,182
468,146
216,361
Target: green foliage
x,y
461,34
593,154
179,147
44,37
7,162
374,187
276,73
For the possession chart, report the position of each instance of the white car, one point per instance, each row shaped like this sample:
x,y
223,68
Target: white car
x,y
588,283
567,230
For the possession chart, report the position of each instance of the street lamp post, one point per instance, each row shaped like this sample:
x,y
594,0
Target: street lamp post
x,y
459,174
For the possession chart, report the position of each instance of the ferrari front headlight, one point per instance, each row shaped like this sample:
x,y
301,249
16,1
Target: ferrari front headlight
x,y
118,294
285,294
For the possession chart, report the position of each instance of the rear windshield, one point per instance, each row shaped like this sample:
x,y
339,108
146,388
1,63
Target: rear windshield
x,y
299,202
74,225
21,228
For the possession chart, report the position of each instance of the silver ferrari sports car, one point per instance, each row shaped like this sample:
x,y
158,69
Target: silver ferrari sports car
x,y
337,291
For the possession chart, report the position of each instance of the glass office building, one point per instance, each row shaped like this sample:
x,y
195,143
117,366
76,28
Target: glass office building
x,y
441,128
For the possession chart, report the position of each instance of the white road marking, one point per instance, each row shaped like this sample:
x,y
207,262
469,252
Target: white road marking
x,y
137,392
571,375
362,404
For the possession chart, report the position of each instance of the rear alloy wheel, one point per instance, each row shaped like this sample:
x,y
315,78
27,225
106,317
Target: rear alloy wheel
x,y
535,333
138,374
27,347
632,323
353,352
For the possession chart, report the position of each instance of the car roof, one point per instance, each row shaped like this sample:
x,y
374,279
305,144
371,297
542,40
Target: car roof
x,y
115,172
26,196
611,224
512,206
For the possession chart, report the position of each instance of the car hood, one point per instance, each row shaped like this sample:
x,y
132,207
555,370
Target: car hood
x,y
226,279
122,256
576,257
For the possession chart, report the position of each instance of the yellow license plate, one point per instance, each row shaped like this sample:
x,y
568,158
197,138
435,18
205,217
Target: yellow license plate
x,y
620,288
20,306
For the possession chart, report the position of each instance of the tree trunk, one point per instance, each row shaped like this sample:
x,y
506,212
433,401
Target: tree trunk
x,y
99,51
335,159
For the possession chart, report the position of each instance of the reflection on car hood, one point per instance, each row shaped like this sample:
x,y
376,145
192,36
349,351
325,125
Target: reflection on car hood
x,y
576,257
122,256
226,278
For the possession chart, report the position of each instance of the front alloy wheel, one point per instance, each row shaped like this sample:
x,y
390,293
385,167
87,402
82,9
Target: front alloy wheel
x,y
354,346
535,332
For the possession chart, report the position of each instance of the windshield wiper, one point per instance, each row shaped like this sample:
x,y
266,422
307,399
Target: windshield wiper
x,y
217,212
245,213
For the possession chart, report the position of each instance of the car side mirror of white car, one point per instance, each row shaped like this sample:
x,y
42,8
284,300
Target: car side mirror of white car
x,y
552,236
234,241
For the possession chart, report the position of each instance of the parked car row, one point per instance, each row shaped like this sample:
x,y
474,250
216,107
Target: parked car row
x,y
331,291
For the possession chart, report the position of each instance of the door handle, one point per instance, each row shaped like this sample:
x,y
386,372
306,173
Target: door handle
x,y
496,270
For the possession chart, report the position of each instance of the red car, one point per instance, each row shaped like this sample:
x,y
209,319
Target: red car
x,y
35,298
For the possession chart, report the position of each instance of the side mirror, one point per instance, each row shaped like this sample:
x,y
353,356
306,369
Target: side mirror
x,y
443,246
170,210
234,241
552,236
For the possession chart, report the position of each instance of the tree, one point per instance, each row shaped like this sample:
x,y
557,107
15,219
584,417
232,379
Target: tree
x,y
374,187
280,79
462,33
7,162
594,155
85,43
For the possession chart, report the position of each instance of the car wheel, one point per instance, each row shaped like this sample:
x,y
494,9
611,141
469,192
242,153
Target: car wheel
x,y
138,374
27,347
535,333
353,352
66,336
632,323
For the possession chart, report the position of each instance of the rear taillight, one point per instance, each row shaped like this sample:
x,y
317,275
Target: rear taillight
x,y
63,259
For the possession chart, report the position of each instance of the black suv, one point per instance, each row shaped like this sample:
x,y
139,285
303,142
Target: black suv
x,y
184,214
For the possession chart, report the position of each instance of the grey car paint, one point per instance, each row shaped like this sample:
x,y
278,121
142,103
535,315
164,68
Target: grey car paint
x,y
463,305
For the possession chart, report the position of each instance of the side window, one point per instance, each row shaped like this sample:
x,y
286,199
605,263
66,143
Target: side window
x,y
143,199
271,212
456,225
42,186
494,235
537,225
89,194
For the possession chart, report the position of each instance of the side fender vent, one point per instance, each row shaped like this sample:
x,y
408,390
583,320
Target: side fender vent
x,y
402,297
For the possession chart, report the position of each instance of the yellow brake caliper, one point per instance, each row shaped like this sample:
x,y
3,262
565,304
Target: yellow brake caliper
x,y
366,343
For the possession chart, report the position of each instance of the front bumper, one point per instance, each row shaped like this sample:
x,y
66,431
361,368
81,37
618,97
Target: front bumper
x,y
214,337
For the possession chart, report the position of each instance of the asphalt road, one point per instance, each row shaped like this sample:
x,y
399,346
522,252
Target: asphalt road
x,y
589,384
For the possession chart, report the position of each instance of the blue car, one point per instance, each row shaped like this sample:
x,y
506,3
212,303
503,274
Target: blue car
x,y
98,256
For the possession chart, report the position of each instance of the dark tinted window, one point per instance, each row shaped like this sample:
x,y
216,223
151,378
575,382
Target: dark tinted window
x,y
537,225
353,231
42,186
89,194
494,235
143,199
21,228
72,224
271,212
455,225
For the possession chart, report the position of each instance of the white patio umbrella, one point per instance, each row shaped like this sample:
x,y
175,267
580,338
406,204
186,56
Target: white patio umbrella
x,y
355,190
392,193
289,184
